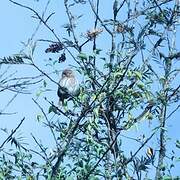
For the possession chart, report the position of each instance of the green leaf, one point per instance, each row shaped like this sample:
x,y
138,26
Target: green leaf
x,y
167,178
103,58
97,51
54,62
96,112
138,75
178,144
149,116
52,109
118,74
82,56
39,117
33,48
44,83
16,59
140,86
38,93
130,117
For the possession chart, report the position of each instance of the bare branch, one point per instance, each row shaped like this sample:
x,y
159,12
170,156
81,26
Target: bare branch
x,y
12,133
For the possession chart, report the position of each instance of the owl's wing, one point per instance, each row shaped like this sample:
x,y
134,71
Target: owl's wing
x,y
67,87
73,86
62,89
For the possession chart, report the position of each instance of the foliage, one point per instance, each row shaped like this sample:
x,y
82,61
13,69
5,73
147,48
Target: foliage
x,y
129,81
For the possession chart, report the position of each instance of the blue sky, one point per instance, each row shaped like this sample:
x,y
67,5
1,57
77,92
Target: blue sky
x,y
17,26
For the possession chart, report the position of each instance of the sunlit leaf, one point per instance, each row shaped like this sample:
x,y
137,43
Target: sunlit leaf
x,y
82,56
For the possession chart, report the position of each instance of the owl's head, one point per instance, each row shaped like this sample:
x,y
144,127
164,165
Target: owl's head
x,y
67,73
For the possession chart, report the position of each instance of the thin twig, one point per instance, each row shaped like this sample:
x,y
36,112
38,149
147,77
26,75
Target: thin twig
x,y
38,26
143,144
69,138
70,18
94,11
100,159
12,133
173,112
55,139
10,101
46,25
40,146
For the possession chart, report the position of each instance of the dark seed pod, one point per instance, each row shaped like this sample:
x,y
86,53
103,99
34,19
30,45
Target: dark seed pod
x,y
62,58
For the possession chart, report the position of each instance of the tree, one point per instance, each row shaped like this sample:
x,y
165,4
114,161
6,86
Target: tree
x,y
129,66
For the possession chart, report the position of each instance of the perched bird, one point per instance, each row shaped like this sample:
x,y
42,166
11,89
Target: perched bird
x,y
68,86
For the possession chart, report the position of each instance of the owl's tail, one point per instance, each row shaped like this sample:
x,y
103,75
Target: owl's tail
x,y
60,102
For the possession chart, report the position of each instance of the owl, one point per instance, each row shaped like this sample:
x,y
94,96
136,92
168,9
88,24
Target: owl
x,y
68,86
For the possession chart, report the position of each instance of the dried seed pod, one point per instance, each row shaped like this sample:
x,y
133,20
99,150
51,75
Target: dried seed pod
x,y
54,48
